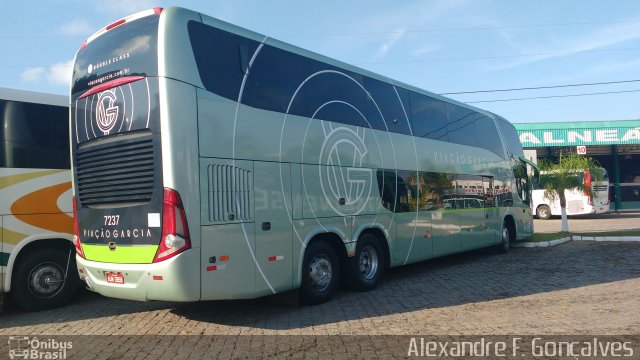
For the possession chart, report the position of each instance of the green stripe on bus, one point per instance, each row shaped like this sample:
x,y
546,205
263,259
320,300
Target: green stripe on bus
x,y
4,259
121,255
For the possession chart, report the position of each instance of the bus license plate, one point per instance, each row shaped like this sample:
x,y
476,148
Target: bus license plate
x,y
114,277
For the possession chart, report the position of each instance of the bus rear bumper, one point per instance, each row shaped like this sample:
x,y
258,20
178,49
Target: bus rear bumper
x,y
175,279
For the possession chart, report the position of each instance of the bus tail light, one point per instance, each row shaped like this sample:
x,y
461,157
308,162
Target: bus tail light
x,y
76,230
175,231
115,24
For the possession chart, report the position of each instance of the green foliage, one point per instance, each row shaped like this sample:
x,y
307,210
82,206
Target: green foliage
x,y
568,174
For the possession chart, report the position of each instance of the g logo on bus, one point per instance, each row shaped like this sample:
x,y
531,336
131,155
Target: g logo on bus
x,y
346,187
106,111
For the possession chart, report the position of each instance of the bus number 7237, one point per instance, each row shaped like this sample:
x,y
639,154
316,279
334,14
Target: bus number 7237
x,y
111,220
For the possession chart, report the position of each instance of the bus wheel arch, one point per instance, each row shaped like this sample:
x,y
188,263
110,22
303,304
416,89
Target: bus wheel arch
x,y
44,274
324,256
366,268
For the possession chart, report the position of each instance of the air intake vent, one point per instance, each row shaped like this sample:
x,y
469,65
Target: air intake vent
x,y
230,193
116,174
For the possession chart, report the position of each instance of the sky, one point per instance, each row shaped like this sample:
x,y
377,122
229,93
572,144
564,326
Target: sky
x,y
443,46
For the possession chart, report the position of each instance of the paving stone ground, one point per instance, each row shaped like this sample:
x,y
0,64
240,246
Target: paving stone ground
x,y
575,288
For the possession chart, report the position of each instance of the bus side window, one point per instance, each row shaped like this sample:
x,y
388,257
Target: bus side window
x,y
34,135
428,117
218,56
387,188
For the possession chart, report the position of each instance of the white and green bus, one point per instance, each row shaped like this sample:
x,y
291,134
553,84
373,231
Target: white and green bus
x,y
210,162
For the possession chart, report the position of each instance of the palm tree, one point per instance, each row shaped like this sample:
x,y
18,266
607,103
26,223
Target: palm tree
x,y
565,175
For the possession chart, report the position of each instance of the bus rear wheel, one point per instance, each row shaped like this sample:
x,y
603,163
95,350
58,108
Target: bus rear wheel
x,y
543,212
367,266
320,273
44,279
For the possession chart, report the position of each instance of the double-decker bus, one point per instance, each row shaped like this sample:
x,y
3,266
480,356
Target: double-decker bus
x,y
210,162
37,257
593,201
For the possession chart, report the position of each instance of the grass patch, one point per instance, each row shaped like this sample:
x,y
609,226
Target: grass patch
x,y
539,237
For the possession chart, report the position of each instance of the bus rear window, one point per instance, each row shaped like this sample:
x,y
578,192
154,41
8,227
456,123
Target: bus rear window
x,y
127,50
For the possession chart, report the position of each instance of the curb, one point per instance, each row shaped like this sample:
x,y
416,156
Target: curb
x,y
533,244
606,238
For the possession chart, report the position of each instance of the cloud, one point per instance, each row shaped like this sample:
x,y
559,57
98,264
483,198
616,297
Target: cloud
x,y
76,28
596,72
598,39
123,7
58,73
610,67
389,42
32,74
380,33
424,50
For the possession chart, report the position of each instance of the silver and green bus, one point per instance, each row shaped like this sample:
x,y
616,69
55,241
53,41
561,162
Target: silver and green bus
x,y
210,162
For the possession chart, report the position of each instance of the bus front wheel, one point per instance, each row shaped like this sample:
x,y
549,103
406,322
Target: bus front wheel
x,y
505,240
44,279
320,273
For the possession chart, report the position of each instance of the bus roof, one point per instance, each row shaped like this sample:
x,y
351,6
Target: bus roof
x,y
33,97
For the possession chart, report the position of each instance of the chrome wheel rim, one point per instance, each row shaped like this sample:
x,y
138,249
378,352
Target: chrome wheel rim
x,y
320,272
46,280
543,212
368,262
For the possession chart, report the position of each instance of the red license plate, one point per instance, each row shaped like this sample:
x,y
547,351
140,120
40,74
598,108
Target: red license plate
x,y
114,277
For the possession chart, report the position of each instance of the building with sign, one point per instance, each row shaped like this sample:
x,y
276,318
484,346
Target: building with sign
x,y
615,144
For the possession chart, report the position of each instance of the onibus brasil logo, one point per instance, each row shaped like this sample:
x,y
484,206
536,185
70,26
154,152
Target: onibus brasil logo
x,y
106,111
346,186
24,347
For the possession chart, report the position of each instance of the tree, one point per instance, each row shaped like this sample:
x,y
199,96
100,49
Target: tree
x,y
568,174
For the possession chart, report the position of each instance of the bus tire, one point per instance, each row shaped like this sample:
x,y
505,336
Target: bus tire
x,y
320,273
543,212
39,282
367,266
505,238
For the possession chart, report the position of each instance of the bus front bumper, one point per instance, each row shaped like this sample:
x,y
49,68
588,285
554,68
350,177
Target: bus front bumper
x,y
175,279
